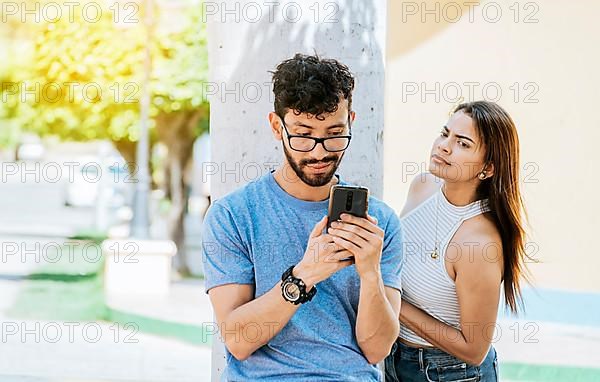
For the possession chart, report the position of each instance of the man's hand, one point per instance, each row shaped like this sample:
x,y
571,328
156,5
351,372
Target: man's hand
x,y
363,239
323,257
377,323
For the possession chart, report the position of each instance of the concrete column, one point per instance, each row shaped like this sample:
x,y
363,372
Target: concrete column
x,y
248,39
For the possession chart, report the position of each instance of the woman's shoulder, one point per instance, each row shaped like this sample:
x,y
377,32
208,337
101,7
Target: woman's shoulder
x,y
479,236
481,226
421,188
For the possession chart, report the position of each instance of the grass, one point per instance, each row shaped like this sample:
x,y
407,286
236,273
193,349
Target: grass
x,y
90,235
547,373
69,289
197,335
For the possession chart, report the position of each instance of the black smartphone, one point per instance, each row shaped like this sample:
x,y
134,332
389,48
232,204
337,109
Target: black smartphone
x,y
352,200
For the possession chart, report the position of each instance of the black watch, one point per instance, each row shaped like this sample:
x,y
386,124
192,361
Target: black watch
x,y
293,289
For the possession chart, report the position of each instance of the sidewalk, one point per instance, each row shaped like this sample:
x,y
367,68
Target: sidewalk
x,y
554,340
99,351
547,352
54,350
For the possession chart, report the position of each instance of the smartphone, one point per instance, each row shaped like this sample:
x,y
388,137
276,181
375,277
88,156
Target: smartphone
x,y
352,200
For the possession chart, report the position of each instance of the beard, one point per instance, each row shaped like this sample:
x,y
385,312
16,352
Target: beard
x,y
314,180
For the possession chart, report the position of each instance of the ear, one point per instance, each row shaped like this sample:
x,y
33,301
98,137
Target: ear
x,y
352,115
489,170
275,123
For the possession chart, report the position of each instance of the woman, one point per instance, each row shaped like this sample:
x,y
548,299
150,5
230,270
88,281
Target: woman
x,y
464,237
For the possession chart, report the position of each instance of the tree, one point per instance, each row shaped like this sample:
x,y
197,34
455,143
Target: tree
x,y
182,113
8,106
10,70
86,80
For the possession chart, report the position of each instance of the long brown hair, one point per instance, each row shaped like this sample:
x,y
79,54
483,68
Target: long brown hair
x,y
499,134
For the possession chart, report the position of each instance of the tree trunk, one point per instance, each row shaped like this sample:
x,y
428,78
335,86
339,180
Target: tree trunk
x,y
177,132
128,150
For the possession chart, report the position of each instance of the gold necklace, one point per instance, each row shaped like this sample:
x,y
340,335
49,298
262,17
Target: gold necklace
x,y
434,253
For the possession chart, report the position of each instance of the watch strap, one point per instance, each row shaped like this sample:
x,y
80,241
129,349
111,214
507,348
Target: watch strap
x,y
305,296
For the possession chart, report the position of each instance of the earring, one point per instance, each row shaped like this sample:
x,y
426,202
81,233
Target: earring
x,y
482,175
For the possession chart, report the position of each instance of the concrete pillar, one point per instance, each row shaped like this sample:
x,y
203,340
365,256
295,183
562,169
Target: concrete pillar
x,y
246,40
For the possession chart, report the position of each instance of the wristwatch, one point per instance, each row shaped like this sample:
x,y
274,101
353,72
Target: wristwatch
x,y
293,289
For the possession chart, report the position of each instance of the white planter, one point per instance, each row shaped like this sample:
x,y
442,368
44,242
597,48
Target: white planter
x,y
138,266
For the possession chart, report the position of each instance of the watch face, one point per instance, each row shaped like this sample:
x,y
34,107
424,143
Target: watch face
x,y
292,291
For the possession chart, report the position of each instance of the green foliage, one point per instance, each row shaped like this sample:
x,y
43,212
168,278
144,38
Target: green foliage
x,y
77,77
9,131
181,68
84,79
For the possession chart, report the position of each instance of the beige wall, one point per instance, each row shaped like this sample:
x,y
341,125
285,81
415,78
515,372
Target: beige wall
x,y
555,61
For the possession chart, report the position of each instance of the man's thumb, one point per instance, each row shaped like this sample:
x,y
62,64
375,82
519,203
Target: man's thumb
x,y
319,227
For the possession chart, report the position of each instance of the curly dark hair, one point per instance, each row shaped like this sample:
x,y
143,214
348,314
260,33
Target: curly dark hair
x,y
311,84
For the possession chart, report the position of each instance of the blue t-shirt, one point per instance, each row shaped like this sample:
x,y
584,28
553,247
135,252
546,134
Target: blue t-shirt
x,y
251,236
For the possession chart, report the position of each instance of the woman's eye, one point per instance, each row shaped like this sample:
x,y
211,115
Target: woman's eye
x,y
443,133
304,134
463,144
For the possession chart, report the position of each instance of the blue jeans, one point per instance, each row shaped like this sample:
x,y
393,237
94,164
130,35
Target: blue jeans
x,y
409,364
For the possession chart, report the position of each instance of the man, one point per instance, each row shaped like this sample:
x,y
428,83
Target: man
x,y
295,303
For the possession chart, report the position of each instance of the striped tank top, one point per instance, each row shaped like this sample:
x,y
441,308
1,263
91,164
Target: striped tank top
x,y
425,281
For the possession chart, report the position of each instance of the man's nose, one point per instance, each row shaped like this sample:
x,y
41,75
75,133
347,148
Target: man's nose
x,y
319,151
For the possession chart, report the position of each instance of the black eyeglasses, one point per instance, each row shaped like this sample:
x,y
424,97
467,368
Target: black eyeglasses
x,y
305,144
